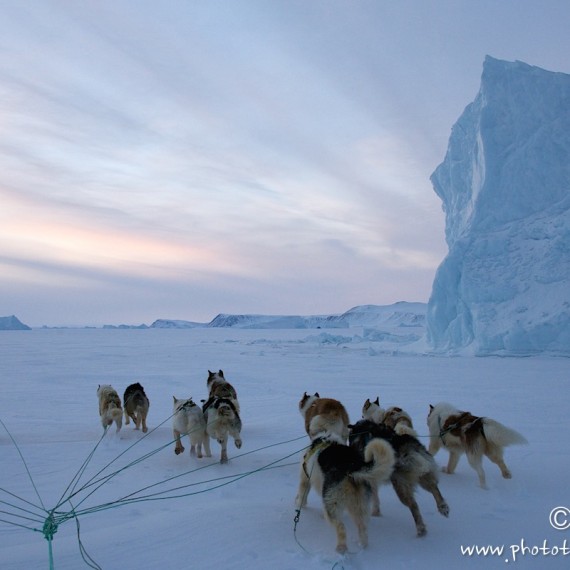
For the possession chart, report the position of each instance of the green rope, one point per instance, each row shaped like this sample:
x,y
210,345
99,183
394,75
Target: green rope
x,y
55,518
24,462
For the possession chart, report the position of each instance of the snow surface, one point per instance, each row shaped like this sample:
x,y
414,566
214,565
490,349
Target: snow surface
x,y
505,185
240,515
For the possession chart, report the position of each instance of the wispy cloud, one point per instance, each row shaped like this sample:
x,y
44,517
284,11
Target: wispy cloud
x,y
252,156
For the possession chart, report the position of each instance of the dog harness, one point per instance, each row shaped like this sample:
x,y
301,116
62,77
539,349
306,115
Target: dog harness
x,y
315,449
456,425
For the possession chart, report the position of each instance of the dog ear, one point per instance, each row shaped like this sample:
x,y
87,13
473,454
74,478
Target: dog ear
x,y
317,395
430,408
221,373
377,401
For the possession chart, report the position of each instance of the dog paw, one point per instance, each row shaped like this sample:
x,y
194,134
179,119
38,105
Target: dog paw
x,y
179,451
421,530
443,509
238,443
342,549
507,475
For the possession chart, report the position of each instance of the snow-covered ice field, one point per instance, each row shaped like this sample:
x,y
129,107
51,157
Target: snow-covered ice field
x,y
200,514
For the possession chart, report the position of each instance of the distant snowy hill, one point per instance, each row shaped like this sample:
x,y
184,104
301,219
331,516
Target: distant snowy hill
x,y
12,323
402,314
504,287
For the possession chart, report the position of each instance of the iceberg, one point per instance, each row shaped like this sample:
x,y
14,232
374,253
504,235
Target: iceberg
x,y
12,323
504,286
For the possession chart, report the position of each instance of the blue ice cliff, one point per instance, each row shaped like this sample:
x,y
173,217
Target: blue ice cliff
x,y
504,286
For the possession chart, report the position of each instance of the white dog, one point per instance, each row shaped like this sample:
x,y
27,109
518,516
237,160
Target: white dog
x,y
188,419
110,409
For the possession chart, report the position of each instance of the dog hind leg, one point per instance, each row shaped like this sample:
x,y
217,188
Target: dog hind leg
x,y
237,437
429,483
206,443
359,511
405,493
454,457
495,454
333,515
223,441
304,488
476,461
178,448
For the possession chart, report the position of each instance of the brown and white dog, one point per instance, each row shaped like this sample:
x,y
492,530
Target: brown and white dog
x,y
324,416
188,419
462,432
135,406
219,387
109,406
344,479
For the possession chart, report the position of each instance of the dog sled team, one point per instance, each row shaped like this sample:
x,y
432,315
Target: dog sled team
x,y
346,463
217,418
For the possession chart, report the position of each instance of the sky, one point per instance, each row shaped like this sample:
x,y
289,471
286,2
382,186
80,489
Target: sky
x,y
186,158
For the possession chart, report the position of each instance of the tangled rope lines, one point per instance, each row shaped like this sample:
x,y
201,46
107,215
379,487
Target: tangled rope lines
x,y
79,497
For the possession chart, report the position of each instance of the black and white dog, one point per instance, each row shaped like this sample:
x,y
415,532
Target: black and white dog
x,y
414,465
344,479
222,420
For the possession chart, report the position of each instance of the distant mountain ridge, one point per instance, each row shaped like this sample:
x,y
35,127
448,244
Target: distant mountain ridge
x,y
402,313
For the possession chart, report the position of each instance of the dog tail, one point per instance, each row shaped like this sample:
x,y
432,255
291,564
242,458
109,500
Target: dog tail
x,y
403,429
501,435
112,414
380,460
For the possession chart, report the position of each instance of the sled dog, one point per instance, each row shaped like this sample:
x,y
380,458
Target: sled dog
x,y
222,420
188,419
219,387
400,421
414,465
324,416
109,406
344,479
372,411
462,432
135,406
